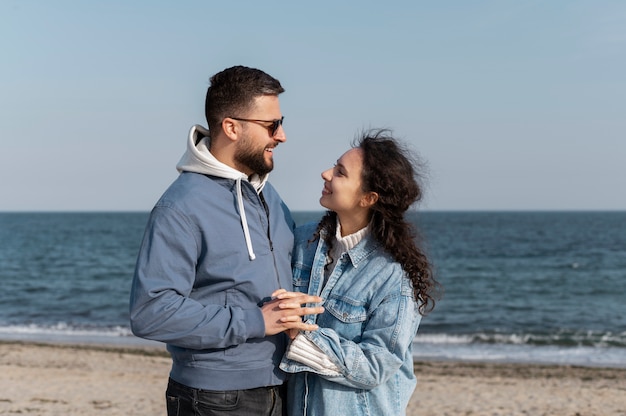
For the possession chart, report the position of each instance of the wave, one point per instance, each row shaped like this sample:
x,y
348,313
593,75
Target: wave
x,y
604,351
62,328
590,349
562,338
71,334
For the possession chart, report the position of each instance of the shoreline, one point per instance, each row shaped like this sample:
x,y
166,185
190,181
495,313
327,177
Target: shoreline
x,y
580,356
42,378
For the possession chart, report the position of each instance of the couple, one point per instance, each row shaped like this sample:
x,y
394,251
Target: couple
x,y
244,301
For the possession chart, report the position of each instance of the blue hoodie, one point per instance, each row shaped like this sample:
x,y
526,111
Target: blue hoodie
x,y
217,243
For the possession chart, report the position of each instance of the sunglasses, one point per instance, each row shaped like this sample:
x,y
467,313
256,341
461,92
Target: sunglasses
x,y
272,128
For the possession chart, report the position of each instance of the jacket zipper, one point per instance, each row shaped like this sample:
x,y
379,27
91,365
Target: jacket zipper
x,y
267,214
269,238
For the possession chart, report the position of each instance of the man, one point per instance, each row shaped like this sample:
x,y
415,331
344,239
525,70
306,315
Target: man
x,y
217,245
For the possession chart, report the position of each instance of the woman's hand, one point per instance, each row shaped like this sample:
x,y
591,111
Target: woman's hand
x,y
285,310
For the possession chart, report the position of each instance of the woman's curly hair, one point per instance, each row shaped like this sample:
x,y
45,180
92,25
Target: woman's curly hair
x,y
390,170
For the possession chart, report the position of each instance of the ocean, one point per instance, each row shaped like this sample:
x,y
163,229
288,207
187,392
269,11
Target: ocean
x,y
528,287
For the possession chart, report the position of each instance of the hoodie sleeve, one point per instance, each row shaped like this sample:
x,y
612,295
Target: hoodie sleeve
x,y
160,306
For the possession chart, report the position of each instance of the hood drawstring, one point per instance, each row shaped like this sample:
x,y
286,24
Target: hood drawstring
x,y
244,221
198,159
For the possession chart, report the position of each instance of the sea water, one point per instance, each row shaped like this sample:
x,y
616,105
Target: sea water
x,y
542,287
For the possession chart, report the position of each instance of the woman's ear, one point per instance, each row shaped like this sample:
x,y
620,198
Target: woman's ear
x,y
369,199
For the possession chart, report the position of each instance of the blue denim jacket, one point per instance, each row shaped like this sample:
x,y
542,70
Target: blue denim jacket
x,y
367,330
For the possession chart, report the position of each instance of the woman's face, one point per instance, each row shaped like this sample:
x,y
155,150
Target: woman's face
x,y
342,191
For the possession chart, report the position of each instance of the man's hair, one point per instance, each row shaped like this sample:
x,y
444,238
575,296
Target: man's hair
x,y
232,93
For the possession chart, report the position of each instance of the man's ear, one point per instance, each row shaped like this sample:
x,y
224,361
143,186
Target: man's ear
x,y
231,128
369,199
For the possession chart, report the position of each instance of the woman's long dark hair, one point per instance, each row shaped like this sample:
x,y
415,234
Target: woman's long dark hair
x,y
390,171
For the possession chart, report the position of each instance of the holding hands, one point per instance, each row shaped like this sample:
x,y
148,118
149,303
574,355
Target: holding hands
x,y
285,310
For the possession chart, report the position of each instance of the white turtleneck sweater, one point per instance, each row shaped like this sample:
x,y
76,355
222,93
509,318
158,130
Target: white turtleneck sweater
x,y
342,245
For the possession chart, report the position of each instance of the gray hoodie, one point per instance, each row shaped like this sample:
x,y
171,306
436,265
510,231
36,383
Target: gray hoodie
x,y
216,244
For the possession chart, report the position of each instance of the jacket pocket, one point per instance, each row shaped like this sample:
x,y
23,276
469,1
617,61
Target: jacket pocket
x,y
346,316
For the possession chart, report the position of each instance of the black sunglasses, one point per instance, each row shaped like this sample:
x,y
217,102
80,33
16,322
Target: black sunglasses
x,y
272,128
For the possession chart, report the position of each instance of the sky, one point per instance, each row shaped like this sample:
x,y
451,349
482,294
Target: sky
x,y
511,105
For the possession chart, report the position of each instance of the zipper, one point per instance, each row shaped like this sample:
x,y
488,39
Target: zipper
x,y
269,238
306,394
267,215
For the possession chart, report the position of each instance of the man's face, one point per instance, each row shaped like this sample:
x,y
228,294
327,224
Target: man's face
x,y
255,149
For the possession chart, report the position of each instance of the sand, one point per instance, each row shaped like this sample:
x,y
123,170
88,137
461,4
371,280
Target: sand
x,y
41,379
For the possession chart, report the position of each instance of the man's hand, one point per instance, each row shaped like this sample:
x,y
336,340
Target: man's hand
x,y
285,312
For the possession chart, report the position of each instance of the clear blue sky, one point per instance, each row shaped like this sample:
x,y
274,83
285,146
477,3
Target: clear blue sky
x,y
516,105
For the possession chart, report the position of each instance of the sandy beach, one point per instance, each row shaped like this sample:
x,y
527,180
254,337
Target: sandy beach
x,y
41,379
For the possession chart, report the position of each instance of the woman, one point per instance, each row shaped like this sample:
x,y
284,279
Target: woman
x,y
363,261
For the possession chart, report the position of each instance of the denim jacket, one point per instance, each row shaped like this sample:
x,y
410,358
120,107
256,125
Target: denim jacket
x,y
366,331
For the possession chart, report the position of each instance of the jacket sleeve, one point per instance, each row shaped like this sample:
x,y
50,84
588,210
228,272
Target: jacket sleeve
x,y
161,308
380,352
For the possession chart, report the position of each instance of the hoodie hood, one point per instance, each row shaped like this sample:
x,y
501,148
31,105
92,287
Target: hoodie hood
x,y
198,159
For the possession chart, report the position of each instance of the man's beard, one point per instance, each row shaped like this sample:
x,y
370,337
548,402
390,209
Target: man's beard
x,y
253,159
